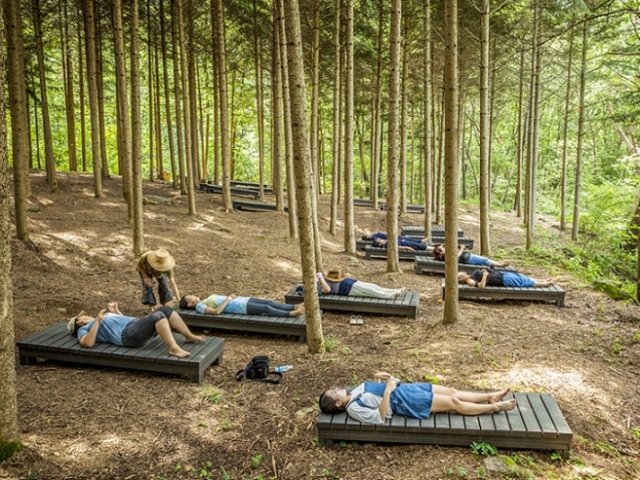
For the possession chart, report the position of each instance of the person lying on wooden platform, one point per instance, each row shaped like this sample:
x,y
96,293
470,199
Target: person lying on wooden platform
x,y
499,278
467,257
112,326
217,304
404,243
373,402
336,283
383,236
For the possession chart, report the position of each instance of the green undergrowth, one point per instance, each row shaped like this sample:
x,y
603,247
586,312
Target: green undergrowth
x,y
8,449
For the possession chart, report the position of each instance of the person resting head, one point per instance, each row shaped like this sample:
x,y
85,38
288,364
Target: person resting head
x,y
336,283
467,258
373,402
499,278
217,304
404,243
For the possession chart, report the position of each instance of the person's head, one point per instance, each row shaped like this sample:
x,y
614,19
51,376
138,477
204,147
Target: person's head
x,y
161,260
366,237
76,322
438,251
189,301
463,277
379,242
334,275
333,401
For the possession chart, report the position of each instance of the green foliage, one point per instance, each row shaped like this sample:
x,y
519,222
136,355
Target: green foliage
x,y
331,343
458,471
484,449
255,461
8,449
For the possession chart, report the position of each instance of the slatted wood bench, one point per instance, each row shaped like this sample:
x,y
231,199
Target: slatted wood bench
x,y
376,252
55,343
406,305
251,185
243,192
535,424
255,206
410,208
363,202
418,231
362,244
294,326
425,264
554,293
467,242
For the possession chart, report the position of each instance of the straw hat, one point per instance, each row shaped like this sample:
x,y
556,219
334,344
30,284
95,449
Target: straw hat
x,y
161,260
334,275
71,324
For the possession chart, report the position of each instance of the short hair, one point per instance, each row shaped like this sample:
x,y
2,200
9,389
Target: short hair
x,y
437,252
328,404
184,304
76,327
366,237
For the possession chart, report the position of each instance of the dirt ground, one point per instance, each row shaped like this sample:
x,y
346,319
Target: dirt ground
x,y
87,423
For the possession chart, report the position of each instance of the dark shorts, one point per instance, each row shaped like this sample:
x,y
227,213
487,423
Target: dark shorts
x,y
141,330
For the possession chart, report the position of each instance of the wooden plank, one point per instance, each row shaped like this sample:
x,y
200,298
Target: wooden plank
x,y
292,326
54,343
418,231
410,208
255,206
405,305
549,294
426,264
243,192
500,429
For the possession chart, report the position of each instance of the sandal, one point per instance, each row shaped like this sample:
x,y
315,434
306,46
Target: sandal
x,y
356,320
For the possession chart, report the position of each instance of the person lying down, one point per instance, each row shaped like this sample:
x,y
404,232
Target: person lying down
x,y
217,304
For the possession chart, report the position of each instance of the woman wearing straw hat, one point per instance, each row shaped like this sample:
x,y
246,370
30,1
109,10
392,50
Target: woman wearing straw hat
x,y
157,264
335,282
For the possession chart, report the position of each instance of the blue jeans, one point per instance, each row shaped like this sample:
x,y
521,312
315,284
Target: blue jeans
x,y
140,331
258,306
478,260
148,298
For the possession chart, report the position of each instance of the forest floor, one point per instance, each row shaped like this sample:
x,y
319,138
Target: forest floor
x,y
87,423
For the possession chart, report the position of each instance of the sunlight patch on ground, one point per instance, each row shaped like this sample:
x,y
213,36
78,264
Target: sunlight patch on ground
x,y
289,267
528,379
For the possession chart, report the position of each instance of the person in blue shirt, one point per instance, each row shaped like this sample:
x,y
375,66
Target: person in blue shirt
x,y
482,278
112,326
335,282
404,243
467,258
373,402
217,304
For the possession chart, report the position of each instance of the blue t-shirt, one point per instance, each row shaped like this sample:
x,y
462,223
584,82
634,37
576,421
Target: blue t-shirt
x,y
110,330
343,287
237,305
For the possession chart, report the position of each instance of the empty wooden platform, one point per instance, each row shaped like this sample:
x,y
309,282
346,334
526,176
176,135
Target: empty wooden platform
x,y
425,264
410,208
554,293
55,343
418,231
535,424
406,305
363,202
294,326
243,192
255,206
251,185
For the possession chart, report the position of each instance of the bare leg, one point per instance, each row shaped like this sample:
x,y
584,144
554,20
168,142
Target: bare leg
x,y
473,397
499,264
446,403
177,323
543,283
164,330
299,310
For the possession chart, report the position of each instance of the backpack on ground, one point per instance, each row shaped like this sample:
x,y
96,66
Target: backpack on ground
x,y
258,369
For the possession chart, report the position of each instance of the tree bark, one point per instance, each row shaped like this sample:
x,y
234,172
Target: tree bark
x,y
565,137
427,85
189,107
452,174
404,81
19,114
136,134
581,114
167,97
335,185
485,114
349,228
92,79
49,161
276,111
520,141
395,39
83,117
9,433
315,96
68,91
175,50
304,177
257,57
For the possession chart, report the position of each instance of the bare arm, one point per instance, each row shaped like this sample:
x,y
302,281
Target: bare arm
x,y
220,308
386,396
485,277
174,288
325,286
89,340
460,250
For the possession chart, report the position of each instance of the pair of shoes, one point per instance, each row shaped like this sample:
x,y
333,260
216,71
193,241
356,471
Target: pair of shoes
x,y
356,320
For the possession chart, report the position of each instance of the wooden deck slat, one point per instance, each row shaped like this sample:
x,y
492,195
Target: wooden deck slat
x,y
55,343
293,326
500,429
255,206
418,231
242,192
406,305
554,293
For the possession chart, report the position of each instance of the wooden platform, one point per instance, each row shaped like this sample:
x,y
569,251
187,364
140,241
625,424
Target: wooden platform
x,y
294,326
363,202
376,252
404,306
536,424
467,242
425,264
418,231
55,343
251,185
243,192
255,206
362,244
555,293
410,208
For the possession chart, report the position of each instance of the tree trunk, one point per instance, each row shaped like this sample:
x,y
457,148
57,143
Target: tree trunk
x,y
485,207
9,432
175,44
581,111
349,228
136,134
452,174
100,89
257,57
68,92
395,39
304,177
335,186
150,88
520,142
92,79
83,121
315,95
404,81
376,144
288,141
167,96
19,116
123,132
276,109
565,136
224,110
193,104
189,104
49,161
427,85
